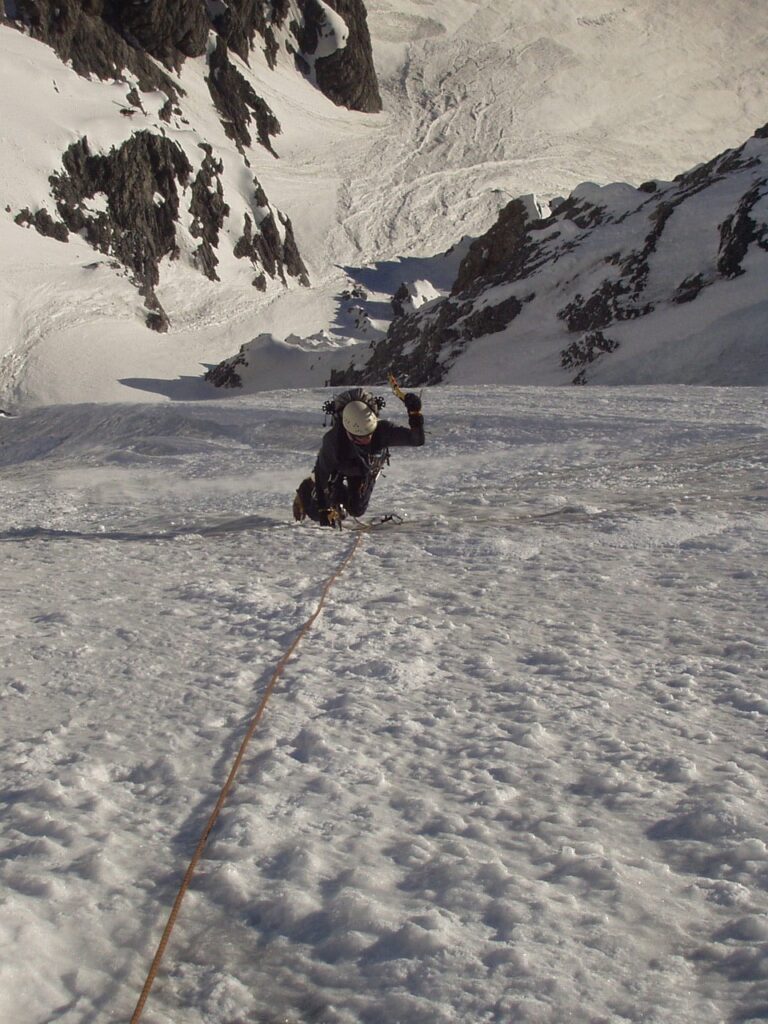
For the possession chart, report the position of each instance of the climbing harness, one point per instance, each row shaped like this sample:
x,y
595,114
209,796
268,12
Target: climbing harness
x,y
197,855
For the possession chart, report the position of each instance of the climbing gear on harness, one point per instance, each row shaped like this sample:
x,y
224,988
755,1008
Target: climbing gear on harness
x,y
335,515
335,406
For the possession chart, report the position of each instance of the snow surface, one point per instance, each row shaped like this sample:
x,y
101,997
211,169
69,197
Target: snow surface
x,y
515,773
483,102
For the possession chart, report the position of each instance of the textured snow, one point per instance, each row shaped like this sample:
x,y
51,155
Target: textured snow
x,y
516,772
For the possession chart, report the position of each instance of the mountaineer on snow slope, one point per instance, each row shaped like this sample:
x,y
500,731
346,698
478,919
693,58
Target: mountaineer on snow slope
x,y
352,454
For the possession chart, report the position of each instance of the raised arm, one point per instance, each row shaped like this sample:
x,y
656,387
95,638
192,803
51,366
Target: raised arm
x,y
394,436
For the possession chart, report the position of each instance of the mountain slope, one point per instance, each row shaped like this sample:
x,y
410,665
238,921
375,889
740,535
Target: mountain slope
x,y
669,276
137,135
125,202
516,772
658,284
482,102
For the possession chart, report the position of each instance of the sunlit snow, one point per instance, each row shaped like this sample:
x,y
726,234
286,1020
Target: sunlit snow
x,y
516,772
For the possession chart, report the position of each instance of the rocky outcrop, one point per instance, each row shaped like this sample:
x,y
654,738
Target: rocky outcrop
x,y
208,210
135,219
127,203
739,231
106,38
86,33
347,76
401,300
269,244
170,30
689,289
240,24
225,374
584,351
43,223
130,202
237,102
604,257
504,253
420,348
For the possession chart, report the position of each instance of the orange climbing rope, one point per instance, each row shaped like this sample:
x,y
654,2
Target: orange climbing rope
x,y
155,965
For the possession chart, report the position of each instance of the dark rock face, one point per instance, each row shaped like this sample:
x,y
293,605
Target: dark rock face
x,y
140,184
401,296
586,349
169,30
208,211
271,251
505,252
44,224
420,348
107,37
689,289
225,375
237,102
739,231
87,33
606,304
347,77
239,24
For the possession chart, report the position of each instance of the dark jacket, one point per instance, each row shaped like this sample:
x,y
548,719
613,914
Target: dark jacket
x,y
340,459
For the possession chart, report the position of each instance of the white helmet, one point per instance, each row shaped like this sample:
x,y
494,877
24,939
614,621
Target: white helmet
x,y
359,419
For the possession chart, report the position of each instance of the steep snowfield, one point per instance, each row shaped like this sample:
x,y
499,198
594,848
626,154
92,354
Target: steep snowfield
x,y
482,102
516,772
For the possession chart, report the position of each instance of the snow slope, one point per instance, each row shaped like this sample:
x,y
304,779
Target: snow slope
x,y
516,772
482,102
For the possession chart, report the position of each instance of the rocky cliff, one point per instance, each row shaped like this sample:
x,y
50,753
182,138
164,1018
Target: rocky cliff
x,y
136,200
575,278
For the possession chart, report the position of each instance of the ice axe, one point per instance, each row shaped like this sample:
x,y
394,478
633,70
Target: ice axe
x,y
398,391
396,387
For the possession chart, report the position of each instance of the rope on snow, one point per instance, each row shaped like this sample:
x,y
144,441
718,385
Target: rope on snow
x,y
196,856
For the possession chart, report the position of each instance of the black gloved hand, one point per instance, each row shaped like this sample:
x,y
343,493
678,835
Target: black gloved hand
x,y
412,402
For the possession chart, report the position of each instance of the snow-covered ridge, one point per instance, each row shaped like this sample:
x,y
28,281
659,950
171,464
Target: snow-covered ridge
x,y
482,103
156,178
662,283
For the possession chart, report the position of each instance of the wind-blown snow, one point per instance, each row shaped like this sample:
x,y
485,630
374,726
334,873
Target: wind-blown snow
x,y
516,772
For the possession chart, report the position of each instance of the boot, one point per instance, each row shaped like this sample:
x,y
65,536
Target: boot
x,y
298,508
